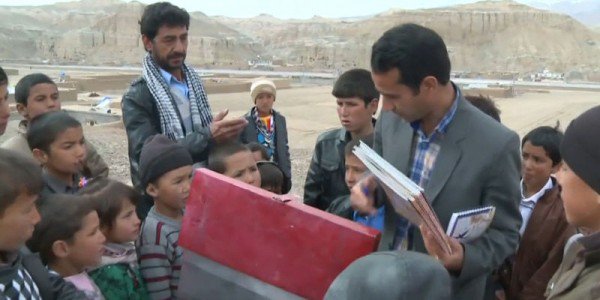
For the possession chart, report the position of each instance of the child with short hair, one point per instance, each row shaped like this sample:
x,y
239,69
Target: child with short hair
x,y
544,230
271,177
236,161
118,275
486,105
578,276
165,173
37,94
69,240
258,151
267,127
4,109
355,170
22,275
57,142
357,100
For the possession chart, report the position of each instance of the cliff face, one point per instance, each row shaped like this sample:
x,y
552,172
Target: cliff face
x,y
481,37
107,33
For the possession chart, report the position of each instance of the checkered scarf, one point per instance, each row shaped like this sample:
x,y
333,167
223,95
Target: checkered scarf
x,y
170,123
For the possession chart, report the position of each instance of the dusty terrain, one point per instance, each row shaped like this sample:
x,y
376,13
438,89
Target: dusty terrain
x,y
311,110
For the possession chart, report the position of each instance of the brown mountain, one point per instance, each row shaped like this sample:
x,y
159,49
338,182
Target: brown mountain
x,y
489,36
481,37
106,32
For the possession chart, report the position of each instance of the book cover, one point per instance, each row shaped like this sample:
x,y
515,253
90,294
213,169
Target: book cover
x,y
468,225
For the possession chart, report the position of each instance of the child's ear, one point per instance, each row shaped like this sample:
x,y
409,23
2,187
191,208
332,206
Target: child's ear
x,y
152,190
22,109
374,105
40,155
60,249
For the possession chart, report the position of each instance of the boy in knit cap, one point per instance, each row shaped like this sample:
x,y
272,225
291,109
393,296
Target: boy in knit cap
x,y
165,173
578,276
268,128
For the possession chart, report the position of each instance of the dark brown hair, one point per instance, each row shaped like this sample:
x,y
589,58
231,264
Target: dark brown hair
x,y
18,175
62,217
108,196
217,157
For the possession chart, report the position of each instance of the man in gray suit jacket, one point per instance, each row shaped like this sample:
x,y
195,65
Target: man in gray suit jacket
x,y
461,157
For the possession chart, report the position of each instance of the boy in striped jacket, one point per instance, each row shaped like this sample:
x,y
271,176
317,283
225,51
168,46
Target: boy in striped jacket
x,y
165,172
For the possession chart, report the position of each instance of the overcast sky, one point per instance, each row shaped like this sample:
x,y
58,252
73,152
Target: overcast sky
x,y
286,9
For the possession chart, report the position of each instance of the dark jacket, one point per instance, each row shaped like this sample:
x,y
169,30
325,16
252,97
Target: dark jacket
x,y
141,120
325,178
50,285
578,276
540,250
341,207
281,156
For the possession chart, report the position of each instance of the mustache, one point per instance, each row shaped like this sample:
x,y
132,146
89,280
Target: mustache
x,y
176,55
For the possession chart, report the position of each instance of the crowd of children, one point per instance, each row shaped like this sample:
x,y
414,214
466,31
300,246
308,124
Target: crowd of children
x,y
68,232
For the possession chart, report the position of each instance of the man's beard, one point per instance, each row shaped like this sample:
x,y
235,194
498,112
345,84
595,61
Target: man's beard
x,y
164,63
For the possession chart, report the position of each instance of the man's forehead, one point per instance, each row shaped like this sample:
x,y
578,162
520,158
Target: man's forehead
x,y
168,29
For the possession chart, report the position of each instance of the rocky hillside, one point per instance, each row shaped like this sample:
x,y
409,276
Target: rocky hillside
x,y
106,32
489,36
481,37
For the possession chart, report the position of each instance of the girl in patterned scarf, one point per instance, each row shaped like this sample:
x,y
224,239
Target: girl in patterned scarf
x,y
118,275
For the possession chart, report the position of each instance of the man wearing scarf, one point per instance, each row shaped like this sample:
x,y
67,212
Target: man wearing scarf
x,y
169,97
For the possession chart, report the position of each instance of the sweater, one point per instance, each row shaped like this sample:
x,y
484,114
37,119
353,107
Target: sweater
x,y
160,255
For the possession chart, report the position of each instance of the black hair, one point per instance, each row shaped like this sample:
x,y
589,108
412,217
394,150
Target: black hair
x,y
254,146
62,217
548,138
355,142
24,86
486,105
45,128
162,13
416,51
270,174
218,155
3,77
18,175
356,83
109,196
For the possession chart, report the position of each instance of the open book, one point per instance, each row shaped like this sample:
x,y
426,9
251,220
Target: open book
x,y
406,197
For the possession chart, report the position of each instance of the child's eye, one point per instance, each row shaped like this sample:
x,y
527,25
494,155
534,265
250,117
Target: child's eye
x,y
96,229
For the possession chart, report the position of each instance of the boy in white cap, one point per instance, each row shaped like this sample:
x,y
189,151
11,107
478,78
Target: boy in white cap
x,y
268,128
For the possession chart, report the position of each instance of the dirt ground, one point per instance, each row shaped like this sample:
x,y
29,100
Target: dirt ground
x,y
311,110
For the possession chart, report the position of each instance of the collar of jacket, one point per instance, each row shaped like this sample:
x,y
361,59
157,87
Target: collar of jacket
x,y
591,245
550,194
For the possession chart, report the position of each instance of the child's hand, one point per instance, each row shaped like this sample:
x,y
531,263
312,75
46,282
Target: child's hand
x,y
361,196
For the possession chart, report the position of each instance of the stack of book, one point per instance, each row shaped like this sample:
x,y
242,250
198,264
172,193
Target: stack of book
x,y
406,197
